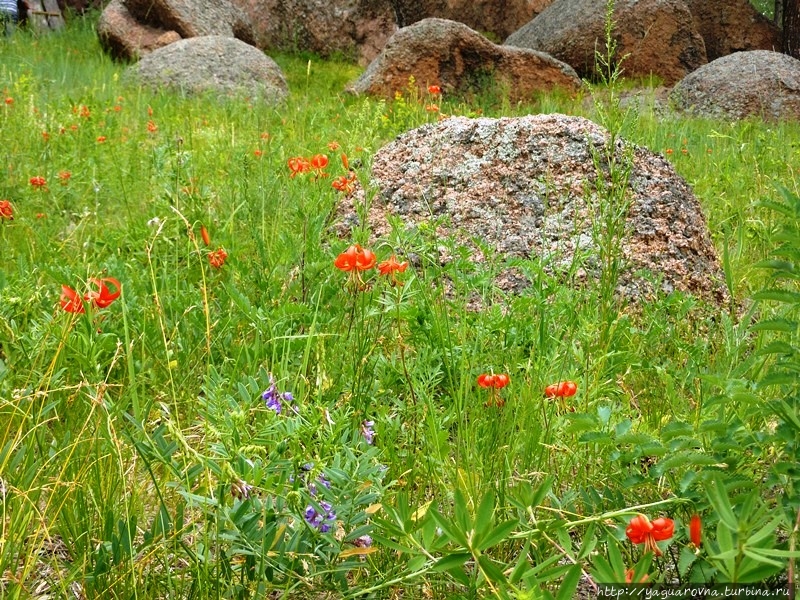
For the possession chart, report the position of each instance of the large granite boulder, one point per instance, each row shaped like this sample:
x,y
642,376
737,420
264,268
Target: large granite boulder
x,y
656,37
729,26
758,83
130,29
193,18
125,38
215,64
458,59
527,187
353,28
494,18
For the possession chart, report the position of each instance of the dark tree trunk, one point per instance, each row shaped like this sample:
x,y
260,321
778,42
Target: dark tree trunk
x,y
791,28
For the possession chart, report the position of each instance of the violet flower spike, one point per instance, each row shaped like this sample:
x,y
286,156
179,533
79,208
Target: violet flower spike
x,y
367,431
322,521
241,489
273,399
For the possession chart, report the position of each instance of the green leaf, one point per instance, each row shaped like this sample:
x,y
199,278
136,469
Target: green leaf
x,y
640,439
783,325
776,265
497,535
776,552
461,514
451,561
726,559
589,542
778,378
595,437
776,347
684,458
603,572
718,496
764,532
779,207
751,553
483,518
415,564
542,491
491,570
616,561
686,560
579,422
675,429
778,295
787,413
570,583
450,529
522,565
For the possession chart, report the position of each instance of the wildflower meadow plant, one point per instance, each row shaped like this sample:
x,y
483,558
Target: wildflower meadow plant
x,y
274,400
641,530
6,210
302,416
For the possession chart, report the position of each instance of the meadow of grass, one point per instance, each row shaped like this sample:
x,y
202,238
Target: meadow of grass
x,y
142,454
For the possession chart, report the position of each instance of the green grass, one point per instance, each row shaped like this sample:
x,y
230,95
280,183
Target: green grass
x,y
128,433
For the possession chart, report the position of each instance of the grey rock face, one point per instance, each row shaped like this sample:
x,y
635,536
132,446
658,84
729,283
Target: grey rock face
x,y
193,18
758,83
215,64
527,187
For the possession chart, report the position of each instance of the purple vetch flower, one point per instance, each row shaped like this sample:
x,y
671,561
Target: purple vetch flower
x,y
367,431
241,489
273,398
320,520
322,480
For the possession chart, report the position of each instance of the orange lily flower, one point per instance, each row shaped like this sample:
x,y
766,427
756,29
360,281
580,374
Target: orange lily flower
x,y
641,531
298,164
319,162
391,266
107,289
103,296
562,389
355,258
494,383
6,210
71,300
487,380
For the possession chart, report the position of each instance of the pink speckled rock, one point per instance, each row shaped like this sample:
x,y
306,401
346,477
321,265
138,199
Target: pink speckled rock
x,y
527,188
